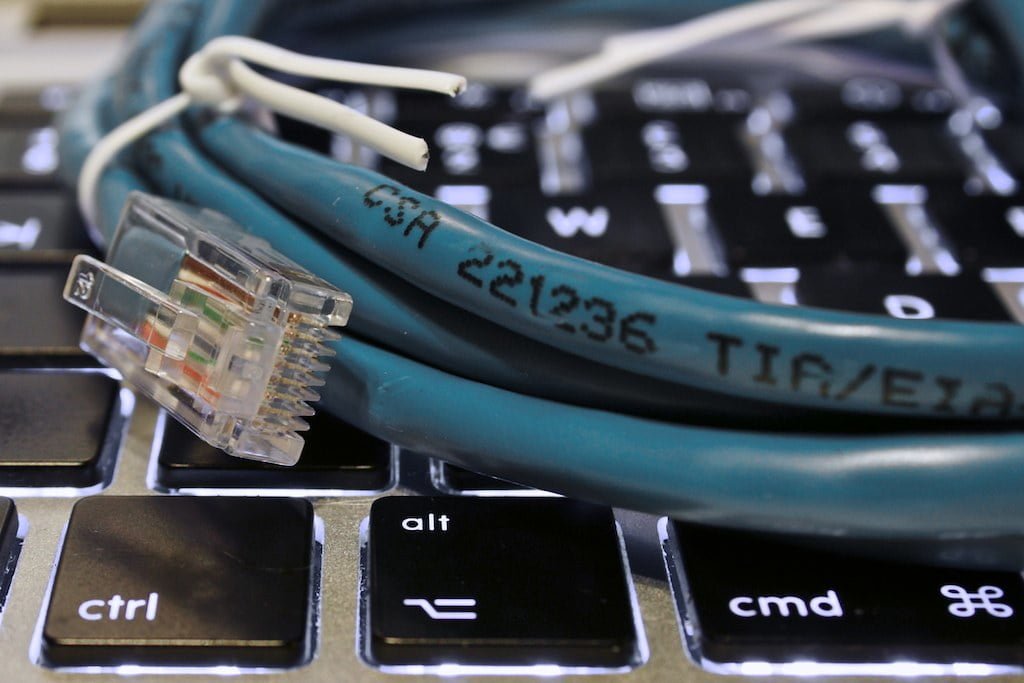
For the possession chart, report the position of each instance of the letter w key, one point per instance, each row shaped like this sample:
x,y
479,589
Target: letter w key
x,y
577,219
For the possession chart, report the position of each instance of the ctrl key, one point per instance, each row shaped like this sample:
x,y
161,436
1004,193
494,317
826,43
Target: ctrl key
x,y
182,582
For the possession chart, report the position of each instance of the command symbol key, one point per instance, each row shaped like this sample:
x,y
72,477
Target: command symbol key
x,y
502,582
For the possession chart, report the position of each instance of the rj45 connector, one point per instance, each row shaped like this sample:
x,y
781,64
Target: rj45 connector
x,y
212,323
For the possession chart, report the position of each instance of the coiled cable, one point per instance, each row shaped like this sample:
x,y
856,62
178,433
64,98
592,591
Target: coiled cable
x,y
656,414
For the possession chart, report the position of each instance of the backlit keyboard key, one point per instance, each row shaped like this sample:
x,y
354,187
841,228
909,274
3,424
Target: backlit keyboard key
x,y
465,152
36,451
755,603
452,479
779,230
986,231
497,581
28,156
183,581
39,220
682,148
884,151
620,227
36,323
964,297
875,98
336,457
478,102
32,106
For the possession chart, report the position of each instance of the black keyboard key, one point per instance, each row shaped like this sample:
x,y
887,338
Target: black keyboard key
x,y
497,581
484,136
880,151
34,107
964,297
183,581
872,98
986,231
35,322
33,221
620,226
682,148
749,598
1007,143
674,94
28,156
499,154
478,103
32,451
452,479
830,225
336,457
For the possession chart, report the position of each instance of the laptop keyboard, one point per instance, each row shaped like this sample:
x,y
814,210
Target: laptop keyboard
x,y
131,547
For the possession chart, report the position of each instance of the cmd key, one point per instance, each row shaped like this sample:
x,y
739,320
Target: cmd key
x,y
183,581
770,603
497,581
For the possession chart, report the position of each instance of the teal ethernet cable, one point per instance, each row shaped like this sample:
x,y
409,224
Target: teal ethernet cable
x,y
651,405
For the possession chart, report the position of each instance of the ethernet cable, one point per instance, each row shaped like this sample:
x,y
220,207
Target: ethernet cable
x,y
224,333
444,402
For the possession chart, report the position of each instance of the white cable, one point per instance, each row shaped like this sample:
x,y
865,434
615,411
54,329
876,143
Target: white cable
x,y
279,59
326,113
629,51
731,21
849,18
759,25
217,76
113,142
915,17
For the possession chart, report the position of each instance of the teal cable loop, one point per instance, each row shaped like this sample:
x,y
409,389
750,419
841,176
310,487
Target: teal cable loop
x,y
888,484
683,335
391,311
81,128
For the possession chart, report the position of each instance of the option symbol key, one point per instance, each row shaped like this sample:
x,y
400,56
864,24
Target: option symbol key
x,y
502,582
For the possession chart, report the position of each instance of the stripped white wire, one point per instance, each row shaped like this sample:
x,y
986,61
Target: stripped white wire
x,y
754,26
321,111
217,76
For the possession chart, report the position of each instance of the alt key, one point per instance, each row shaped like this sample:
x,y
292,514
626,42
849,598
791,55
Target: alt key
x,y
513,583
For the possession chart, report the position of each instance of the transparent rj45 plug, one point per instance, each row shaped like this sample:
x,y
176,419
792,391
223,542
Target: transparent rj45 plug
x,y
213,324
